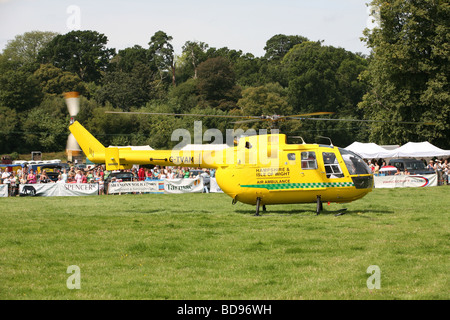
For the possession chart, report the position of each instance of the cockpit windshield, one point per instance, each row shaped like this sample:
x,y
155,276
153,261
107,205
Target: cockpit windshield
x,y
354,163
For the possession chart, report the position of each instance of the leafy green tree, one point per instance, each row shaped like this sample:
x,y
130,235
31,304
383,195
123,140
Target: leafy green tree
x,y
46,127
81,52
408,72
217,83
19,90
126,89
9,125
195,53
325,78
55,81
24,48
279,45
162,54
128,58
269,99
185,96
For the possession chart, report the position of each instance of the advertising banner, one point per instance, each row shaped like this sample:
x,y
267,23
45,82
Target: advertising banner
x,y
183,185
77,189
3,190
214,187
400,181
58,189
153,186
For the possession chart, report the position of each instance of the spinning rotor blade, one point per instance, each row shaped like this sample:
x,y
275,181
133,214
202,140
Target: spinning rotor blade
x,y
247,121
179,114
252,118
72,144
73,106
73,103
379,121
308,114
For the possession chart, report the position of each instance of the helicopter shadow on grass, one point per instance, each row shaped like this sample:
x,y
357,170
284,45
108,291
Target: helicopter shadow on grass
x,y
311,212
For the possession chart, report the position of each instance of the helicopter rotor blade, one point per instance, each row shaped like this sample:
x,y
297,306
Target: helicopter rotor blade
x,y
181,114
273,118
72,100
248,121
307,114
364,120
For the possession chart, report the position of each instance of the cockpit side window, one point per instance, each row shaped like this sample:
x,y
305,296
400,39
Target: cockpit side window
x,y
332,167
354,163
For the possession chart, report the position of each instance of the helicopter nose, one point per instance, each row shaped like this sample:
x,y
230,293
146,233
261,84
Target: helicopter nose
x,y
363,182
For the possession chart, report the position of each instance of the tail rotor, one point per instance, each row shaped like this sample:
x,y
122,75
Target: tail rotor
x,y
73,106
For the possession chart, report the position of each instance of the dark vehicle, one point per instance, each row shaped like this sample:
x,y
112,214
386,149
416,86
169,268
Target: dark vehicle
x,y
117,177
53,170
414,166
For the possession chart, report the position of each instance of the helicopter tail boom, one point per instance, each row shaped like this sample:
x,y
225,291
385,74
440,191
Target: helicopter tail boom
x,y
121,158
91,147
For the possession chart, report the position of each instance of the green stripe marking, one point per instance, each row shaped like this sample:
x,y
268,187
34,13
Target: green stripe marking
x,y
286,186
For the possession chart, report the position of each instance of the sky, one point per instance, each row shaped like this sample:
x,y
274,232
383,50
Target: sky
x,y
237,24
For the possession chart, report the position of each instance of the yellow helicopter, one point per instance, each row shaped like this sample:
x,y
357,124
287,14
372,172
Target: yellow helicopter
x,y
259,170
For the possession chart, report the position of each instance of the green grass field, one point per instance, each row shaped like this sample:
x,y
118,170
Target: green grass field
x,y
199,246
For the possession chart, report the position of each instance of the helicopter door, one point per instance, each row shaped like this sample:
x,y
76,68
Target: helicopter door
x,y
332,168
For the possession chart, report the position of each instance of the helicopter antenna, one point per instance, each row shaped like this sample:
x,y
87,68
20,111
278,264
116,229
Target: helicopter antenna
x,y
331,142
298,137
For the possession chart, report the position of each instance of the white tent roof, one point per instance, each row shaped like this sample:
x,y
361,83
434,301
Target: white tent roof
x,y
408,150
369,150
419,149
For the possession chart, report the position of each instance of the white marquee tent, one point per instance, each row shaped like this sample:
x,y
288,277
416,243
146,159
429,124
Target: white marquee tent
x,y
369,150
408,150
419,150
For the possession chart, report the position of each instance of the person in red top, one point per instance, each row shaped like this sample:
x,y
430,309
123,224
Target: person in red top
x,y
83,177
141,174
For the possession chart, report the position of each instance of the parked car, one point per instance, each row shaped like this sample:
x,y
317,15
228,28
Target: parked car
x,y
414,166
119,177
53,170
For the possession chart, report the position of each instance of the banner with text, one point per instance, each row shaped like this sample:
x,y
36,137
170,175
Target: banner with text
x,y
183,185
400,181
153,186
4,190
58,189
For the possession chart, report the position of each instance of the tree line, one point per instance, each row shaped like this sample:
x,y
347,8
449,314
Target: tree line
x,y
404,79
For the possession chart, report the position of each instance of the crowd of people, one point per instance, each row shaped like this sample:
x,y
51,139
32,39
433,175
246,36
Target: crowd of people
x,y
440,166
97,174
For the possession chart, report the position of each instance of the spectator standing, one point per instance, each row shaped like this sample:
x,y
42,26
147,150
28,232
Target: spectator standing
x,y
83,177
31,178
5,176
79,177
64,176
101,186
141,174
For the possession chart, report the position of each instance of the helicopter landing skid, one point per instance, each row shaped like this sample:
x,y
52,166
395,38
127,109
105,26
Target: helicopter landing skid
x,y
258,204
319,208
